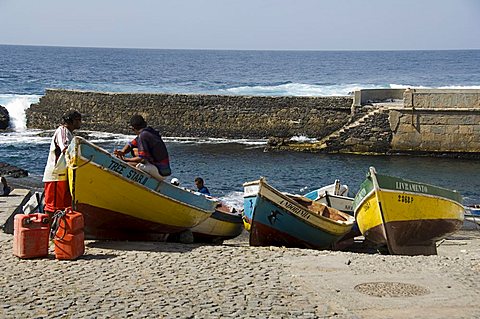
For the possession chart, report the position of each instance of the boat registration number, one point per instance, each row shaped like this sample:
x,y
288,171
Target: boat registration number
x,y
405,199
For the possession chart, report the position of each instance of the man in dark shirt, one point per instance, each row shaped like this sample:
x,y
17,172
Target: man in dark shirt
x,y
201,187
152,154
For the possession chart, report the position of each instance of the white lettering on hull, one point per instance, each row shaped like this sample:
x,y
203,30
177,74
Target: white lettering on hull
x,y
409,187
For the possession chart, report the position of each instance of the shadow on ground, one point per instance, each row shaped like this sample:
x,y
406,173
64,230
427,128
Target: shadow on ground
x,y
143,246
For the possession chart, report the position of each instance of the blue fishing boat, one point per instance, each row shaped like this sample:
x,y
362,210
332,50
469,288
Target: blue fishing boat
x,y
281,219
250,191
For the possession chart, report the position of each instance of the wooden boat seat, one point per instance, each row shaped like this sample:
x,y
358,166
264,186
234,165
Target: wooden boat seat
x,y
319,208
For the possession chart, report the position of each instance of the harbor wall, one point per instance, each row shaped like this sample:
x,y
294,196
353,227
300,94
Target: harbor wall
x,y
434,120
426,121
194,115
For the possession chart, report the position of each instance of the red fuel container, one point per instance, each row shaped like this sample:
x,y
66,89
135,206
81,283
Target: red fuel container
x,y
31,235
69,237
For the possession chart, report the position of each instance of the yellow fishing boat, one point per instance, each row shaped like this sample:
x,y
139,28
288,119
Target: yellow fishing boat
x,y
121,202
407,216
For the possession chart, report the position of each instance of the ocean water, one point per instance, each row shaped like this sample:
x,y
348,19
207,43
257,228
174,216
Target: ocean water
x,y
26,71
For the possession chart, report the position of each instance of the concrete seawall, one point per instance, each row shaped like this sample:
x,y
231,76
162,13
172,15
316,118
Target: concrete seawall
x,y
437,121
412,121
196,115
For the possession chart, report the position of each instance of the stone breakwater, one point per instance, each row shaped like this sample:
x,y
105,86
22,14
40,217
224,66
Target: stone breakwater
x,y
185,115
424,122
233,280
392,121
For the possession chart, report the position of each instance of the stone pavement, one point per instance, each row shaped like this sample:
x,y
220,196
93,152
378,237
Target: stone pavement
x,y
233,280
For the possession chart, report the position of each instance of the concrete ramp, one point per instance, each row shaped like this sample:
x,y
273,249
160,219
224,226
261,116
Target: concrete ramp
x,y
10,206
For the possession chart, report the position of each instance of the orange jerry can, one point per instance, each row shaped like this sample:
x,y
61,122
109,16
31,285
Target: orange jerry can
x,y
31,235
69,237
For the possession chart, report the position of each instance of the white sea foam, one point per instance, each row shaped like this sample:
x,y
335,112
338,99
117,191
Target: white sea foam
x,y
461,87
303,139
212,140
104,137
234,199
300,89
406,86
452,87
16,106
25,137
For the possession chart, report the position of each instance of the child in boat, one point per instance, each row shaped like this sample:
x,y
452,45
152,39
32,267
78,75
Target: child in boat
x,y
201,186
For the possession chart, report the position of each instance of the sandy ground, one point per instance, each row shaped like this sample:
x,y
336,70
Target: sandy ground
x,y
170,280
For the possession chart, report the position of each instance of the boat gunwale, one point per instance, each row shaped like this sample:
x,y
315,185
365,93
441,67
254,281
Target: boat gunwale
x,y
362,201
405,180
340,224
154,191
251,183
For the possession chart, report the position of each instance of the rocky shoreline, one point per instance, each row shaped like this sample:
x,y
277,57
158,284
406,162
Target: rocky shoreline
x,y
11,170
4,118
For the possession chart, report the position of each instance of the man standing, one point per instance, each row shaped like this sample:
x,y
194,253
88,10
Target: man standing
x,y
57,191
152,153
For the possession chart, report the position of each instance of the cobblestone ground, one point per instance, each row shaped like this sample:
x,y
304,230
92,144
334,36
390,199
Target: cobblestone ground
x,y
233,280
153,280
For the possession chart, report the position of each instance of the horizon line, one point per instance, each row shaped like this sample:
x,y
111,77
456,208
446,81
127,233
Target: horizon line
x,y
226,49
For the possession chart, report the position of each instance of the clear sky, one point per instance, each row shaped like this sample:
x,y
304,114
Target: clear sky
x,y
244,24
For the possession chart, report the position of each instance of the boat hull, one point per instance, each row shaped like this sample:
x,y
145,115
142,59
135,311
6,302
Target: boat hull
x,y
120,202
280,221
334,195
218,227
250,191
407,221
342,203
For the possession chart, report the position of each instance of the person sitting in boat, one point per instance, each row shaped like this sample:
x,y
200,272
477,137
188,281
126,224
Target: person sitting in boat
x,y
201,188
6,189
57,191
152,153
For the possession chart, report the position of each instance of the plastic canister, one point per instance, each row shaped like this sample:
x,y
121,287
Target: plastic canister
x,y
30,235
69,237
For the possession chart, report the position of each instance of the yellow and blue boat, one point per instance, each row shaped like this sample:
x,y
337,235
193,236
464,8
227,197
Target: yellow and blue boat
x,y
120,202
225,223
406,216
279,219
250,192
334,195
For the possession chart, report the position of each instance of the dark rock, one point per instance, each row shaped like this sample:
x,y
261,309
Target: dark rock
x,y
13,171
4,118
276,141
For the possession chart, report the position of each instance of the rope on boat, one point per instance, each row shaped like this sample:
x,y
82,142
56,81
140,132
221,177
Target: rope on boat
x,y
56,219
440,242
73,167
